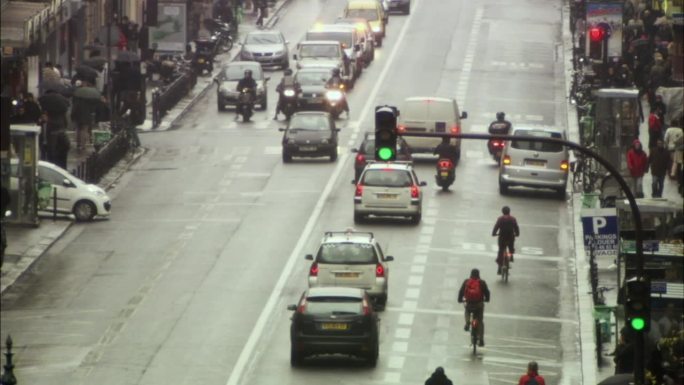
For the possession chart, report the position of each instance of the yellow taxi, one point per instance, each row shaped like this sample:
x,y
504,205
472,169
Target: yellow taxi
x,y
372,11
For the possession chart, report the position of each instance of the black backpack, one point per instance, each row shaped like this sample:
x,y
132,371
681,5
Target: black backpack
x,y
532,381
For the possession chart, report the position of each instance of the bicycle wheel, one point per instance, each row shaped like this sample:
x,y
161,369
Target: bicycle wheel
x,y
504,272
473,335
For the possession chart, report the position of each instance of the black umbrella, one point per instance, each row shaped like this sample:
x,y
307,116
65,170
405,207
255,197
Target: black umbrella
x,y
87,93
54,103
87,72
96,62
127,56
56,86
618,379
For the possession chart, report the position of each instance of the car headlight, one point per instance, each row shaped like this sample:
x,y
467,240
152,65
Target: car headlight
x,y
376,28
279,53
333,95
289,93
96,190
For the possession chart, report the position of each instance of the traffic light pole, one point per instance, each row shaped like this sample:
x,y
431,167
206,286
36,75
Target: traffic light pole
x,y
639,357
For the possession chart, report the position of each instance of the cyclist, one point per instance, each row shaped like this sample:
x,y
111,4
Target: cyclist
x,y
506,228
475,293
532,377
438,378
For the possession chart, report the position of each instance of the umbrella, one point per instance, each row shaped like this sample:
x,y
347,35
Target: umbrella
x,y
87,93
56,86
54,103
127,56
87,73
618,379
96,62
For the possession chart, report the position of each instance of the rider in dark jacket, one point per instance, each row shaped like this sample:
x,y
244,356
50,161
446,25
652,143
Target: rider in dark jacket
x,y
446,150
249,83
337,83
287,81
500,126
438,378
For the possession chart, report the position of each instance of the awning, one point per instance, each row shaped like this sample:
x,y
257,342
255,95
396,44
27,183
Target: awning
x,y
13,22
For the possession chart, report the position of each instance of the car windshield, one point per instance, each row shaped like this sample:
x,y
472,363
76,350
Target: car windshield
x,y
323,50
263,38
537,146
343,37
310,122
387,178
347,253
237,72
330,305
313,78
368,13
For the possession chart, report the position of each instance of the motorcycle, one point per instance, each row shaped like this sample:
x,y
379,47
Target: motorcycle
x,y
245,104
222,36
495,147
445,173
289,102
335,101
203,59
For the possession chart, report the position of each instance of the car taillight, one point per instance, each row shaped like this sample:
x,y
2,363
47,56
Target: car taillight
x,y
366,307
360,158
564,165
455,129
313,270
379,270
498,143
401,129
301,308
415,192
506,160
359,190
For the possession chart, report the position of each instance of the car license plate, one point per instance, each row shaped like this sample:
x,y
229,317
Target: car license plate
x,y
347,275
334,326
307,148
386,196
444,174
535,162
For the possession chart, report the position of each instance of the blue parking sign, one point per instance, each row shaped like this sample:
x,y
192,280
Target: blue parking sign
x,y
600,230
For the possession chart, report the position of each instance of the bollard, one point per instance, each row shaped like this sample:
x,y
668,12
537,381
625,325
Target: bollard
x,y
8,375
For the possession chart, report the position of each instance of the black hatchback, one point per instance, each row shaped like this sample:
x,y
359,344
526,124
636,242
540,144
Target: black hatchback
x,y
366,153
334,320
310,134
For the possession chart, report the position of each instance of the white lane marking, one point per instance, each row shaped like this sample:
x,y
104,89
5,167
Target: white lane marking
x,y
427,230
406,319
413,293
400,346
396,362
410,305
402,333
410,312
392,378
425,239
479,253
267,312
420,259
462,88
491,222
273,150
415,280
418,269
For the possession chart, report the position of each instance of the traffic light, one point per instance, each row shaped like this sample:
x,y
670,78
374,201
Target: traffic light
x,y
598,37
638,304
385,133
596,34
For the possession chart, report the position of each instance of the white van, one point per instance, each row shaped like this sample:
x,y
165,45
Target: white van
x,y
430,115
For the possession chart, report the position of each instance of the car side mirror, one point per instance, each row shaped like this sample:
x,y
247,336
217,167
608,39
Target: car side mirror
x,y
67,183
294,56
389,258
423,183
354,150
464,115
281,129
308,257
292,307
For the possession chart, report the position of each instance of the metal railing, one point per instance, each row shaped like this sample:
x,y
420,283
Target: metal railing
x,y
166,98
97,164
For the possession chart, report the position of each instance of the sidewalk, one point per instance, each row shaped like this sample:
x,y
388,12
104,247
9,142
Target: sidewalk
x,y
26,245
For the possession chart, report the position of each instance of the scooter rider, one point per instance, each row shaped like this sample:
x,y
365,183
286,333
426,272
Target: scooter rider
x,y
337,83
246,82
446,150
500,126
506,228
287,81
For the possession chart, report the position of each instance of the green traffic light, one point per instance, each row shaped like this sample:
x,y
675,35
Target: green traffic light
x,y
385,153
638,324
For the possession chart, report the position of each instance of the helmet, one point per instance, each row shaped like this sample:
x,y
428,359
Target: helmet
x,y
336,72
288,72
500,115
248,73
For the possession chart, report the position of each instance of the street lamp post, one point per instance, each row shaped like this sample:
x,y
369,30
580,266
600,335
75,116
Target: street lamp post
x,y
8,375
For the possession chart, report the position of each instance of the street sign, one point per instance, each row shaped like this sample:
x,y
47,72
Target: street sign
x,y
600,228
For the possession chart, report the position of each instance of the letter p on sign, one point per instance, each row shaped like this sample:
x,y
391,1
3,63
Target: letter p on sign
x,y
598,223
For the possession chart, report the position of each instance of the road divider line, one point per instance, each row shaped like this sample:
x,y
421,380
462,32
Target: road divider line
x,y
404,312
247,351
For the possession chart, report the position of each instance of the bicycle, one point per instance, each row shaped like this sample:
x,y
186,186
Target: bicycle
x,y
474,331
506,266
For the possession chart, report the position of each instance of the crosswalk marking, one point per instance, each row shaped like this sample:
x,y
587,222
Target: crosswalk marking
x,y
518,65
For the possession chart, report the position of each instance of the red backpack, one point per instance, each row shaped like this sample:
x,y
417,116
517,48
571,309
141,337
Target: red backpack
x,y
473,290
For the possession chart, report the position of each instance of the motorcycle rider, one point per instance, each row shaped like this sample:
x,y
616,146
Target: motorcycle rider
x,y
506,227
246,82
500,126
475,293
446,150
337,83
287,81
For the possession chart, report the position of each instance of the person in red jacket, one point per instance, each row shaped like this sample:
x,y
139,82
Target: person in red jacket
x,y
637,163
655,126
532,377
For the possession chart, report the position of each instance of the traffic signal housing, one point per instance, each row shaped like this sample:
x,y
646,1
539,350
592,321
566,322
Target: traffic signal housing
x,y
386,133
638,304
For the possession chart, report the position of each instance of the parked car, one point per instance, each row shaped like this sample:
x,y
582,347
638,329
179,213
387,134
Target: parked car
x,y
267,47
334,320
310,134
227,93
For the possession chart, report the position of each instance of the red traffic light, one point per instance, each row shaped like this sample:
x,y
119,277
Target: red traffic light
x,y
596,33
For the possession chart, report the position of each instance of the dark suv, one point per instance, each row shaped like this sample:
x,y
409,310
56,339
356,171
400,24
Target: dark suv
x,y
310,134
334,320
366,153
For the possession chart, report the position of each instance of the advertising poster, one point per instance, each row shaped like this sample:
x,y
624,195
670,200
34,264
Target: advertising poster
x,y
609,16
170,35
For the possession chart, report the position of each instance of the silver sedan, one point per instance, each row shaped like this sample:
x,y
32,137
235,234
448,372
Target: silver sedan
x,y
266,47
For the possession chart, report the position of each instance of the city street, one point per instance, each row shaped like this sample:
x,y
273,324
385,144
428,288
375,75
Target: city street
x,y
189,280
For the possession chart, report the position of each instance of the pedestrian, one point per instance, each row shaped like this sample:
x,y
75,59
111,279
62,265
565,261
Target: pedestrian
x,y
674,141
83,115
624,354
57,142
50,74
29,111
655,126
532,376
661,108
133,38
263,9
637,163
438,378
624,78
659,160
